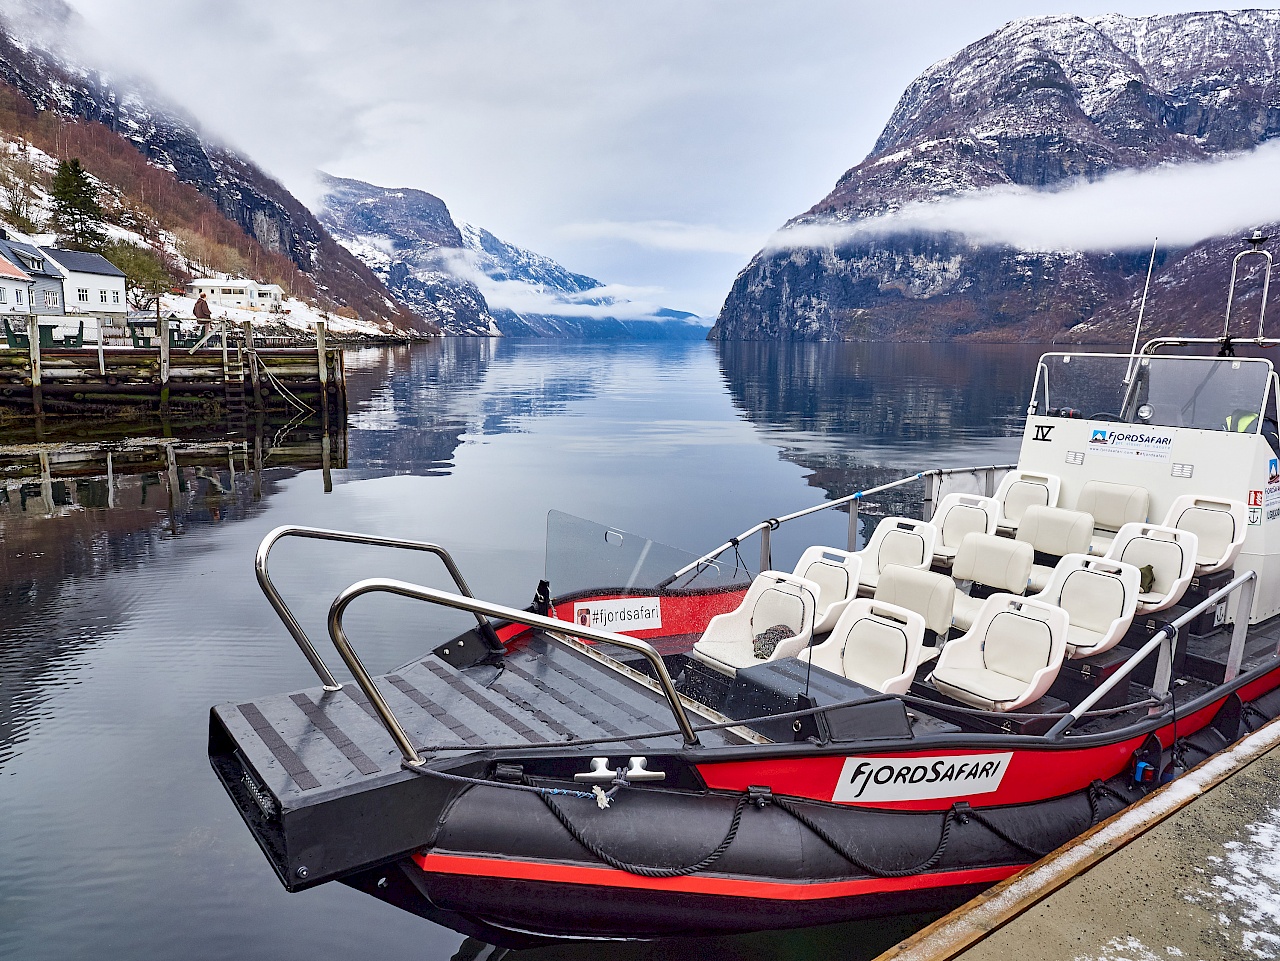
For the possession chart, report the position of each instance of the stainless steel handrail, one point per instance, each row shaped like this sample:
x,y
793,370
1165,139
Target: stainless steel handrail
x,y
478,607
348,537
764,528
1162,640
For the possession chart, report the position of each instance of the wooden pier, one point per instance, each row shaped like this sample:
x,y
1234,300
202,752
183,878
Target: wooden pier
x,y
1187,872
236,376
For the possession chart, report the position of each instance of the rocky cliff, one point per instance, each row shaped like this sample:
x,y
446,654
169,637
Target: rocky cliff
x,y
1040,103
471,283
243,193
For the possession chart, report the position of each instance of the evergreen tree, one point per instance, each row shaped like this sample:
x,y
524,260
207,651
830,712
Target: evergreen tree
x,y
76,211
145,275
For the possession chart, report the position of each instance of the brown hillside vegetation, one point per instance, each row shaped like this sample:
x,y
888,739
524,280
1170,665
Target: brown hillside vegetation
x,y
154,197
155,194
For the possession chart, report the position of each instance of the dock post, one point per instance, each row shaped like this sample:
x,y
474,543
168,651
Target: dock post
x,y
102,362
766,549
111,477
33,342
853,525
162,332
324,375
255,375
326,462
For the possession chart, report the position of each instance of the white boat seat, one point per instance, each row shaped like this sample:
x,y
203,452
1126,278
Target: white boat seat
x,y
1171,554
996,563
1219,524
960,514
835,571
896,540
1021,489
1008,659
932,596
1112,506
1055,532
875,644
1100,597
774,600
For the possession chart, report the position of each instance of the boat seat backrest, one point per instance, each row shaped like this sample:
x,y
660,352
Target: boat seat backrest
x,y
779,606
1218,523
1017,645
832,579
961,514
1113,505
1161,551
903,546
1056,531
875,650
1021,489
1092,598
930,595
992,561
1023,494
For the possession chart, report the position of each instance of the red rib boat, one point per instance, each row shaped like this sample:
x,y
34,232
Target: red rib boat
x,y
889,726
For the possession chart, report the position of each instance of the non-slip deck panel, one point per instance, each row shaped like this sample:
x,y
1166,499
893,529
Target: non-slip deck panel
x,y
317,741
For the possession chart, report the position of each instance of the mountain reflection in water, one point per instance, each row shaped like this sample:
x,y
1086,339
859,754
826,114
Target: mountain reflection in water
x,y
130,604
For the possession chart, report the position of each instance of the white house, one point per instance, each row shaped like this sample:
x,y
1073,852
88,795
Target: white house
x,y
91,284
237,292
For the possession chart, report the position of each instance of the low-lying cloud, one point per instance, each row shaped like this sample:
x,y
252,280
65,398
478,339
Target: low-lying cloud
x,y
1182,204
607,301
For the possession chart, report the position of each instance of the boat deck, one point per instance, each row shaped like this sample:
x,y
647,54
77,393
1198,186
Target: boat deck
x,y
549,693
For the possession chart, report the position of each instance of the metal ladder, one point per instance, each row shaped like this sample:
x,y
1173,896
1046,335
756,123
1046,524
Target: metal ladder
x,y
233,383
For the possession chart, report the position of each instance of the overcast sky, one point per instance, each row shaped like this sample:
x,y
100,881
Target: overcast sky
x,y
648,143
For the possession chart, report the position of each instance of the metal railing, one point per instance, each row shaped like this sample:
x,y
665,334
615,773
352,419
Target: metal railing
x,y
1163,641
319,533
479,608
766,527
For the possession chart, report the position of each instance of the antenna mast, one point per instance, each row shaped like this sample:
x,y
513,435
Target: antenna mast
x,y
1133,351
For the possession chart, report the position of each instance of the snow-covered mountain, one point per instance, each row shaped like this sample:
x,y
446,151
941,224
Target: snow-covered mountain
x,y
1041,103
39,79
469,282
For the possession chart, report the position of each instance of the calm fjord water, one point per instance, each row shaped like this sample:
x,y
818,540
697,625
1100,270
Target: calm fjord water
x,y
123,624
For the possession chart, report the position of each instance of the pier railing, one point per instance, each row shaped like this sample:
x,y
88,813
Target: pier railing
x,y
480,609
261,568
986,477
1165,641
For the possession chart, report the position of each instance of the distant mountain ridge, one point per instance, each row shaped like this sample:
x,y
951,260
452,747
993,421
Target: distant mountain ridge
x,y
1040,103
469,282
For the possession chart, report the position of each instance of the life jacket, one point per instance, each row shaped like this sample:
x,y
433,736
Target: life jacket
x,y
1242,421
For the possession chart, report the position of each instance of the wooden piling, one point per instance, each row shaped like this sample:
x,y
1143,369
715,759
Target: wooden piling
x,y
33,341
162,329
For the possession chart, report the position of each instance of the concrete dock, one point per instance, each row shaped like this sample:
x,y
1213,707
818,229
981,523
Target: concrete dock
x,y
1190,872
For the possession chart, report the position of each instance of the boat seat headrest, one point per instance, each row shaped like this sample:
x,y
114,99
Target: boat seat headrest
x,y
1113,505
930,595
996,562
1056,531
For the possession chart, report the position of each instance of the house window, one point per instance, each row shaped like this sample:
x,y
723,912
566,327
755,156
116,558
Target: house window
x,y
102,296
227,290
17,296
115,296
51,298
4,295
82,295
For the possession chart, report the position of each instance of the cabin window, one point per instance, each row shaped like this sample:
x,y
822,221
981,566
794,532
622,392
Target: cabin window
x,y
82,295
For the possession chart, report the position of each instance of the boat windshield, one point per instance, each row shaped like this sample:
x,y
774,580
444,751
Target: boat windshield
x,y
1206,393
583,555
